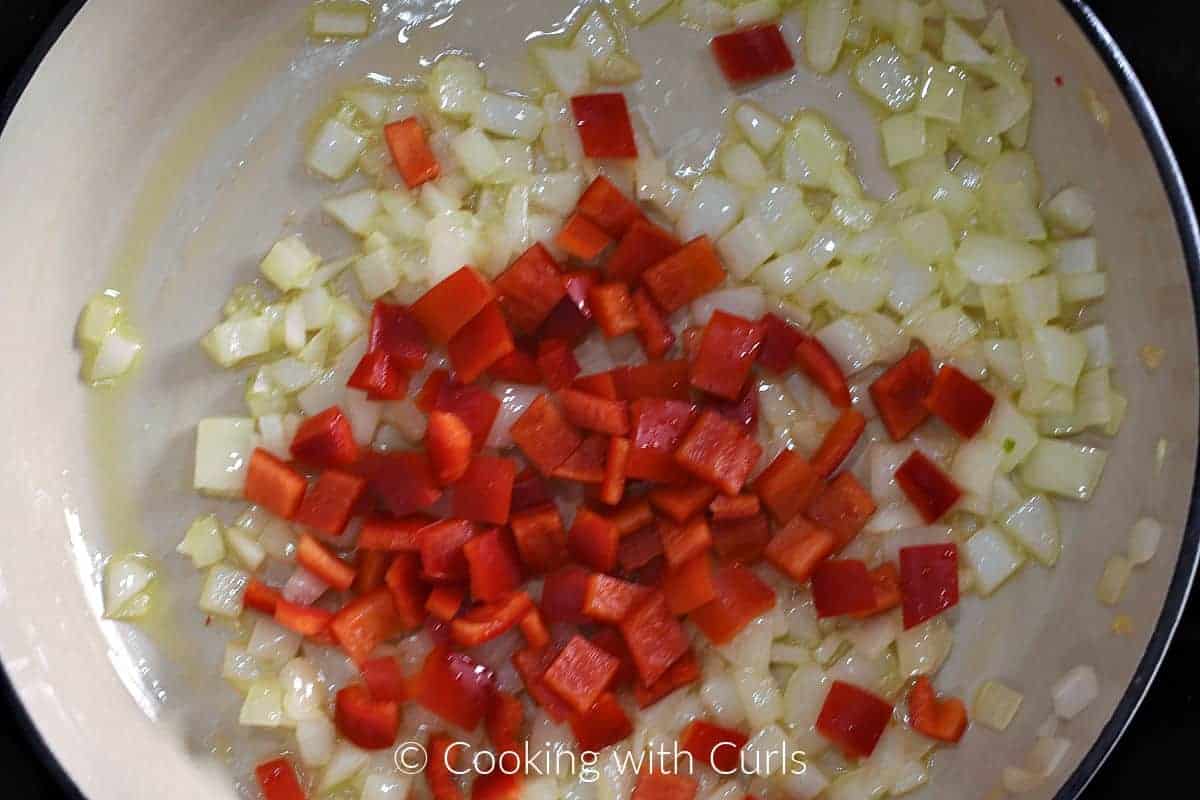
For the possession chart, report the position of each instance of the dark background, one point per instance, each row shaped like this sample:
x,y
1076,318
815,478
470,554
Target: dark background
x,y
1164,52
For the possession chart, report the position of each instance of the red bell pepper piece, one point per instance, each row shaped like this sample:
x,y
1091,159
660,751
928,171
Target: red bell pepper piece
x,y
442,556
689,585
475,406
274,485
480,343
493,564
853,719
741,597
530,288
330,501
325,440
557,363
780,340
545,436
609,640
448,441
842,507
718,451
927,487
717,746
741,541
838,442
531,665
408,589
743,410
385,680
379,533
653,330
632,515
727,353
592,540
454,687
505,722
692,336
370,569
960,402
410,152
604,125
602,725
594,413
599,385
484,492
379,377
842,587
402,482
261,597
665,786
660,424
366,622
683,672
371,724
563,594
316,558
540,537
643,245
739,507
814,361
452,303
885,585
582,238
484,623
799,548
605,204
443,756
278,781
571,319
581,673
608,599
586,464
638,549
944,720
691,272
752,54
309,621
787,485
613,310
529,491
899,394
533,628
444,602
928,581
654,637
684,541
427,398
516,367
664,379
395,332
681,503
612,488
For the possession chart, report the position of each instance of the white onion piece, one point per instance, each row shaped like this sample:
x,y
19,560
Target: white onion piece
x,y
875,635
746,247
1144,539
514,400
125,580
509,116
850,343
223,591
303,692
1034,524
1063,468
1072,210
712,209
828,22
895,541
263,707
271,644
923,649
566,67
762,129
335,149
363,414
992,558
223,449
203,542
746,302
996,705
993,261
345,763
760,696
1113,580
593,356
303,588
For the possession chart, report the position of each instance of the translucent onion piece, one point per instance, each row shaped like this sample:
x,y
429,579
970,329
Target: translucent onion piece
x,y
1144,539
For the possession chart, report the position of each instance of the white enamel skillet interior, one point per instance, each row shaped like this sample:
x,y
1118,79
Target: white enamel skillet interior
x,y
158,147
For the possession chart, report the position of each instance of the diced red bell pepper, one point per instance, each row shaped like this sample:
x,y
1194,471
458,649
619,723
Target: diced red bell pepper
x,y
787,485
665,786
928,581
443,756
448,441
599,385
484,492
563,594
454,687
410,151
540,537
613,310
899,394
444,602
364,623
330,501
516,367
316,558
309,621
632,515
529,491
480,343
395,332
799,548
592,540
653,331
530,288
605,204
838,442
638,549
780,340
452,303
484,623
743,410
557,363
663,379
609,640
602,725
814,361
681,503
944,720
853,719
689,585
643,245
505,721
378,376
842,587
582,238
544,435
493,564
885,585
727,353
718,451
960,402
260,597
325,440
594,413
686,540
426,399
692,336
274,485
442,556
408,589
503,784
752,54
660,424
581,673
568,321
533,628
531,665
654,637
928,488
586,464
384,679
842,507
683,672
741,597
475,406
741,541
379,533
608,599
612,488
691,272
278,781
604,125
402,482
717,746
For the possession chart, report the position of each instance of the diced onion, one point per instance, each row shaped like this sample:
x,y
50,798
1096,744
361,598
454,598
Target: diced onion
x,y
344,764
250,554
1075,691
335,149
886,75
237,339
239,667
223,591
203,542
996,705
263,707
514,400
992,558
993,261
566,67
354,211
828,21
1034,524
303,691
1064,468
388,787
746,302
271,644
760,696
1144,539
1113,580
1072,210
223,449
923,649
762,129
125,583
303,587
512,117
712,209
315,739
850,343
